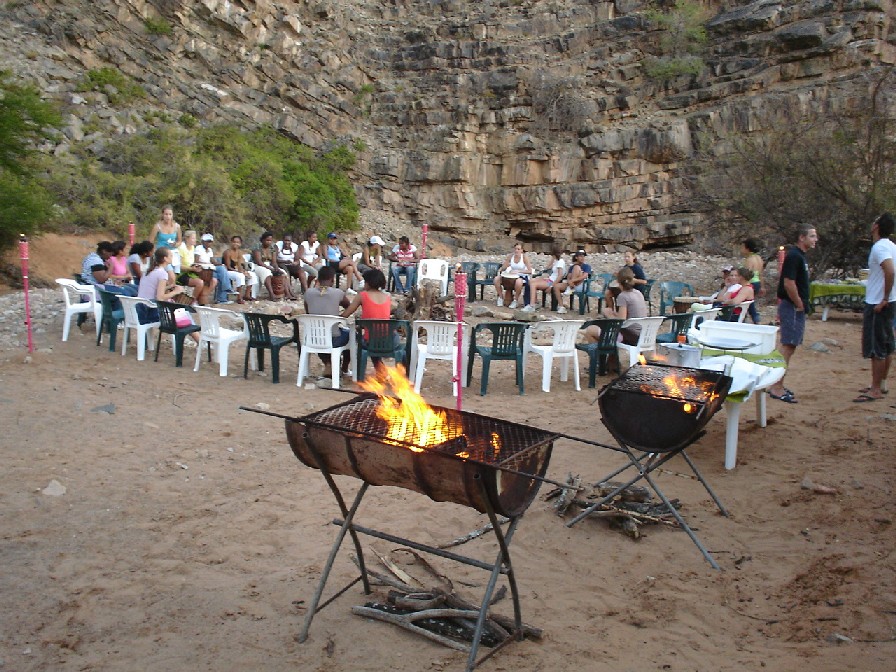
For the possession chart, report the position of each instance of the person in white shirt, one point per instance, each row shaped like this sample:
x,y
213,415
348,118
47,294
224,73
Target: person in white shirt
x,y
288,259
880,299
310,259
205,257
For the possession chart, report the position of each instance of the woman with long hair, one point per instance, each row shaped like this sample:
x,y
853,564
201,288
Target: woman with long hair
x,y
513,276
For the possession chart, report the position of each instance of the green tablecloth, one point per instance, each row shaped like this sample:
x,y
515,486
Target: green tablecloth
x,y
825,293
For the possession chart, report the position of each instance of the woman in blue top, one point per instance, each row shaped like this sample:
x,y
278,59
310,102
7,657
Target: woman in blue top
x,y
167,231
632,262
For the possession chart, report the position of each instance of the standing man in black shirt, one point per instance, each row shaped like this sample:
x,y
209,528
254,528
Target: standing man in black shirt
x,y
793,297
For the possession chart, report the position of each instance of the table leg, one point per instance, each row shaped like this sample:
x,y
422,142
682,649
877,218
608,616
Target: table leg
x,y
732,411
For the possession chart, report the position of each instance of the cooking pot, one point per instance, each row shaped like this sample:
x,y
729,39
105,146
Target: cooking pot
x,y
678,354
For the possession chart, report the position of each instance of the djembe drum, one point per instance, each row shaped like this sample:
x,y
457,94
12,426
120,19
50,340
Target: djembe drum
x,y
278,285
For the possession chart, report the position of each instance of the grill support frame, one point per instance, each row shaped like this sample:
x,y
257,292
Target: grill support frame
x,y
502,564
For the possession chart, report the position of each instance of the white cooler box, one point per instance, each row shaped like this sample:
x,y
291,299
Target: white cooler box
x,y
761,334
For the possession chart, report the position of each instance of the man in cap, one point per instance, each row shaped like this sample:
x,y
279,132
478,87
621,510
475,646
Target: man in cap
x,y
372,255
205,256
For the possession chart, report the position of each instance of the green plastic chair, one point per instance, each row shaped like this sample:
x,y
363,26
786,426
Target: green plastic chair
x,y
260,338
680,323
490,269
645,290
602,279
506,344
384,341
168,325
599,353
112,316
669,290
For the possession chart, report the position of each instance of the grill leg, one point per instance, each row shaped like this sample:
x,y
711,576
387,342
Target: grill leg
x,y
346,527
503,560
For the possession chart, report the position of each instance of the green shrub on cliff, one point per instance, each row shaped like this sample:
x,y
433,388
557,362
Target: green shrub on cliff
x,y
220,179
24,121
118,87
682,40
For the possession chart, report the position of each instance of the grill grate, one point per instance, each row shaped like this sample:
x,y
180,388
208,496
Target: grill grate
x,y
480,438
679,383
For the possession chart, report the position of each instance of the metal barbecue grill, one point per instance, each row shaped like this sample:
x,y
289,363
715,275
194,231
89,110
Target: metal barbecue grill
x,y
491,465
659,410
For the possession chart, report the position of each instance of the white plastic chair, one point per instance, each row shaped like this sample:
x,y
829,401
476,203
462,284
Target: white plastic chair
x,y
562,347
441,343
316,332
132,321
433,269
744,309
220,338
650,326
73,291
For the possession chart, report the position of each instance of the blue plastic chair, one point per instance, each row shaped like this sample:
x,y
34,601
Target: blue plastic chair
x,y
600,352
645,290
383,341
506,344
112,316
669,290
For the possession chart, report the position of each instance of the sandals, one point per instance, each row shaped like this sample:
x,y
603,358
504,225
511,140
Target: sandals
x,y
865,398
787,397
867,390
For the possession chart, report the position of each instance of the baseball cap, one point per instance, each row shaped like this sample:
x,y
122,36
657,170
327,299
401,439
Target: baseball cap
x,y
580,253
376,240
207,237
332,235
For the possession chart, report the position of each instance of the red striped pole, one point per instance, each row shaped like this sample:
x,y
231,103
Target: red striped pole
x,y
23,254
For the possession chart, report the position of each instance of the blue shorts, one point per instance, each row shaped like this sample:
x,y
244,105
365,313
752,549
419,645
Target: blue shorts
x,y
793,323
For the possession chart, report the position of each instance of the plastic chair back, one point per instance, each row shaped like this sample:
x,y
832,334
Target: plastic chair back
x,y
433,269
646,339
507,343
132,321
259,337
562,347
599,353
645,290
680,323
382,339
317,337
111,317
168,325
72,291
669,290
441,344
490,270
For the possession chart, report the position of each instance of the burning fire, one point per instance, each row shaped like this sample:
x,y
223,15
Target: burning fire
x,y
683,387
410,419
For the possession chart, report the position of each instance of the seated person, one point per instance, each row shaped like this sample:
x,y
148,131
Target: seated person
x,y
309,258
375,304
557,273
325,299
205,257
630,261
157,285
511,288
629,304
189,275
372,255
95,272
241,278
574,281
404,263
288,260
119,271
140,259
741,290
266,266
340,260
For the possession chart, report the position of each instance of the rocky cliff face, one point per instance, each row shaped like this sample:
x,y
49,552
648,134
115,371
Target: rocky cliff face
x,y
528,118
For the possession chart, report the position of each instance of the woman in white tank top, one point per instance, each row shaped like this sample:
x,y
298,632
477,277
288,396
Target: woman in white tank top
x,y
516,263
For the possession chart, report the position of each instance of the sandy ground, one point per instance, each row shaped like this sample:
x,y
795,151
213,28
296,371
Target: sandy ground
x,y
190,538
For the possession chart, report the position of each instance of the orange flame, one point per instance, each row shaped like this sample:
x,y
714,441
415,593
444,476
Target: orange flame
x,y
410,419
642,359
683,387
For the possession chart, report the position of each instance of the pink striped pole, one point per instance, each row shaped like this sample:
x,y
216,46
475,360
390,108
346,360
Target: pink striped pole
x,y
423,244
132,233
23,254
460,302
